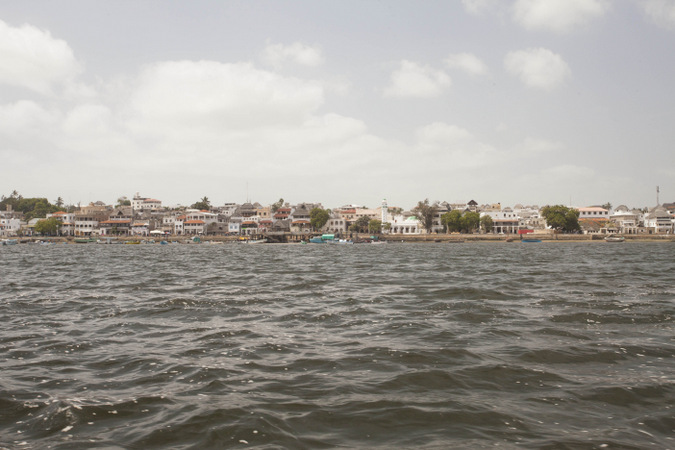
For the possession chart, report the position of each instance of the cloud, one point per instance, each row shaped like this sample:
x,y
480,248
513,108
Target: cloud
x,y
209,95
537,67
414,80
477,7
277,54
568,172
558,15
467,62
661,12
33,59
451,147
537,147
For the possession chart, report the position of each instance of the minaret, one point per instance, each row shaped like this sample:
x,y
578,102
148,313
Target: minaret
x,y
385,211
657,196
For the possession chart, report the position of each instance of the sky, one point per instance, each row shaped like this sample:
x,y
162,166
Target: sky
x,y
528,102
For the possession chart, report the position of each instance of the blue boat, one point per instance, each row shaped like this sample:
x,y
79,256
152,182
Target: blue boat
x,y
531,240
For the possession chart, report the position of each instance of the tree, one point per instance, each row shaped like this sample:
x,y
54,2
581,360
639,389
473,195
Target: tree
x,y
203,204
607,206
59,203
486,223
452,221
318,218
470,221
48,227
374,226
123,201
361,224
561,218
425,212
277,205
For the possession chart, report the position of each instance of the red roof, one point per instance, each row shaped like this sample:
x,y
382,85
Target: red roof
x,y
117,221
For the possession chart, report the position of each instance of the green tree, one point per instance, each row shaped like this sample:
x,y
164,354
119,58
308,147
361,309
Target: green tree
x,y
452,221
425,212
203,204
607,206
123,201
277,205
561,218
375,226
486,223
58,203
33,208
361,225
48,227
470,221
318,218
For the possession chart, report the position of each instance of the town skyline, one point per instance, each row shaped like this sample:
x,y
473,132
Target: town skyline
x,y
517,101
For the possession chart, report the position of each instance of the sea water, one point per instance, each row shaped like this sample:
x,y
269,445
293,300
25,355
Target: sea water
x,y
473,345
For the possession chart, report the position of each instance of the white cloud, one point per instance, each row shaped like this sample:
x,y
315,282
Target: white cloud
x,y
208,95
414,80
467,62
477,7
568,172
33,59
25,118
277,54
536,147
558,15
537,67
661,12
451,147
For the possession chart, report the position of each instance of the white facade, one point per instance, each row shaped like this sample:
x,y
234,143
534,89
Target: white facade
x,y
401,225
593,212
139,203
9,227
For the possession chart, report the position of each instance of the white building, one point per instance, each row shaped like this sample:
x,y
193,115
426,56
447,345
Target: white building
x,y
139,203
659,221
9,227
402,225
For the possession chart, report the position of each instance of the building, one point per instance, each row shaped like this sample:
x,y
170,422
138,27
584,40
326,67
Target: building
x,y
139,203
658,221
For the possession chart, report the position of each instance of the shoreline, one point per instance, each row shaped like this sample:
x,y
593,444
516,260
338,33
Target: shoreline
x,y
405,239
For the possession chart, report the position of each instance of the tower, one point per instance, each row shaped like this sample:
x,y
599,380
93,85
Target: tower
x,y
385,211
657,196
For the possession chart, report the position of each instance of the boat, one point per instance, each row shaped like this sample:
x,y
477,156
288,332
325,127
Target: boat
x,y
613,238
254,241
324,239
84,240
10,242
530,240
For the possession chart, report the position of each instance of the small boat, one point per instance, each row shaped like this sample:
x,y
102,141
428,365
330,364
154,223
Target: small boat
x,y
84,240
254,241
10,242
324,239
612,238
530,240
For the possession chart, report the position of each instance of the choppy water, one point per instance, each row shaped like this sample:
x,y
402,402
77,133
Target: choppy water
x,y
469,345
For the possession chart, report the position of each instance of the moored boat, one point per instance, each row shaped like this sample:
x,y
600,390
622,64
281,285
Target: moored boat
x,y
613,238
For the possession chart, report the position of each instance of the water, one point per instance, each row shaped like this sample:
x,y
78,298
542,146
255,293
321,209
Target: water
x,y
475,345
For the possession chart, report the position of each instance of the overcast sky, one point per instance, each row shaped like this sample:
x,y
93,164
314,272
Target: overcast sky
x,y
342,102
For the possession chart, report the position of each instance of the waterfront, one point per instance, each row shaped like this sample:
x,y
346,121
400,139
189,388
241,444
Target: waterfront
x,y
401,345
